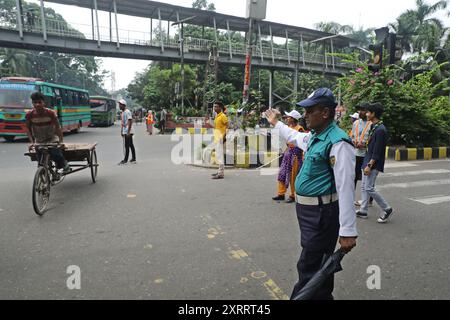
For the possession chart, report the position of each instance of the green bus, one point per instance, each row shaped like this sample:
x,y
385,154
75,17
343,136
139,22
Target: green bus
x,y
71,105
103,110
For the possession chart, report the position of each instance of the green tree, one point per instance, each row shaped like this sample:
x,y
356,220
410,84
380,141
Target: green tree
x,y
410,105
156,86
418,29
15,61
203,5
73,70
333,27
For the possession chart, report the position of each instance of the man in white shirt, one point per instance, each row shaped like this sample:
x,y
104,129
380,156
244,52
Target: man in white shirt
x,y
127,132
327,175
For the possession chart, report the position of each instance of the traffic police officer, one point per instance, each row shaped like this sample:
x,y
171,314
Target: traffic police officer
x,y
324,187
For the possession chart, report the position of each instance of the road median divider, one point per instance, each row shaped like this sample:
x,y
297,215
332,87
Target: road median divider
x,y
411,154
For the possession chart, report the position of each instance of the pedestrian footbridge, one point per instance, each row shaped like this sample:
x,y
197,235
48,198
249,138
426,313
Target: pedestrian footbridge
x,y
312,52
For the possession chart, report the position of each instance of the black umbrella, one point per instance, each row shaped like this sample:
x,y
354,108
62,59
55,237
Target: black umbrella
x,y
329,267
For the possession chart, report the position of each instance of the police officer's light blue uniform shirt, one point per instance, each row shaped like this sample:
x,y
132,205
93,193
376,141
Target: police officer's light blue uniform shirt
x,y
314,181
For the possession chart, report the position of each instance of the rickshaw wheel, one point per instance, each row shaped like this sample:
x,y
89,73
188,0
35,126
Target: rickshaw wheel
x,y
93,165
41,191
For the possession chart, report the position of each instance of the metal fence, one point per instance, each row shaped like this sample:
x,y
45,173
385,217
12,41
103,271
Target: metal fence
x,y
87,31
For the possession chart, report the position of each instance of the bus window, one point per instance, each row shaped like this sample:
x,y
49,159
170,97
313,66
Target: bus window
x,y
14,95
98,105
76,100
110,105
64,97
49,102
70,97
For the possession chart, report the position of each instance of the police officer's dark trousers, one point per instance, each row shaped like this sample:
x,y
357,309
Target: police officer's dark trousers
x,y
319,230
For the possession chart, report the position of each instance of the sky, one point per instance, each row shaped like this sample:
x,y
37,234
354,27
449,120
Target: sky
x,y
301,13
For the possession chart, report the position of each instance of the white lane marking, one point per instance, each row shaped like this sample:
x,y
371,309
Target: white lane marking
x,y
430,161
399,165
414,173
432,199
269,171
414,184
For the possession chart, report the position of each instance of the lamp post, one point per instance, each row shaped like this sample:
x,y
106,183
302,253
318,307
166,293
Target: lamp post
x,y
181,22
54,61
255,12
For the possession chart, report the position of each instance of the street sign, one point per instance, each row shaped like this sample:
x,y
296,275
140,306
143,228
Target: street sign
x,y
256,9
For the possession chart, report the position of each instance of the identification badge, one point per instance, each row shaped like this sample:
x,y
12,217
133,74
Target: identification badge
x,y
332,161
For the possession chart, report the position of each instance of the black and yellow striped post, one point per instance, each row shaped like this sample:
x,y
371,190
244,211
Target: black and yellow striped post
x,y
410,154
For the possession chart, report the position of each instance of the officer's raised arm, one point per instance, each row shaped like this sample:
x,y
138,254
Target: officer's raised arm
x,y
299,139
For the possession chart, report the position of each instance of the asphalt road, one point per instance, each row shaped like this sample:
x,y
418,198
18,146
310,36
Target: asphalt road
x,y
156,230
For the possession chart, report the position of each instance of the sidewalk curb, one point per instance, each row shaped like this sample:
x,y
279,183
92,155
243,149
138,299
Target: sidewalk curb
x,y
410,154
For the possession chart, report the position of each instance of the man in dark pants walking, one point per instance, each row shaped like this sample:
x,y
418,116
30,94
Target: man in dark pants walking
x,y
327,175
373,164
127,132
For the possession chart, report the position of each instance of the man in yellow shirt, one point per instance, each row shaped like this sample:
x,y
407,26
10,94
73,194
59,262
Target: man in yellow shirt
x,y
220,131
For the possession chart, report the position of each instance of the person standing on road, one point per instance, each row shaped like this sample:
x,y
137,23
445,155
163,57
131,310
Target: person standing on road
x,y
127,132
324,187
292,161
220,131
360,135
162,121
374,163
150,121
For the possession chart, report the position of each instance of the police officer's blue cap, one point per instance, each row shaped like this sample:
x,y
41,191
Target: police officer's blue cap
x,y
322,96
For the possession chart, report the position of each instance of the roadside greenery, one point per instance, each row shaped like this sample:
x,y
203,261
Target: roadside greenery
x,y
415,92
416,112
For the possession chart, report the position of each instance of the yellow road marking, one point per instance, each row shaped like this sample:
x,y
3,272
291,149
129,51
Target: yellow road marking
x,y
275,291
237,254
213,232
244,280
258,274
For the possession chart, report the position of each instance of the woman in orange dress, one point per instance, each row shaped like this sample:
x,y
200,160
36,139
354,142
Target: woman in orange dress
x,y
150,122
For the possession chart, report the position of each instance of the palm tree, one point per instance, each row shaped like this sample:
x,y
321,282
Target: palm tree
x,y
364,36
406,29
419,27
445,40
333,27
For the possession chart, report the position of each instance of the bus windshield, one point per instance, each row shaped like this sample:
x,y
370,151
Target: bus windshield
x,y
14,95
98,105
